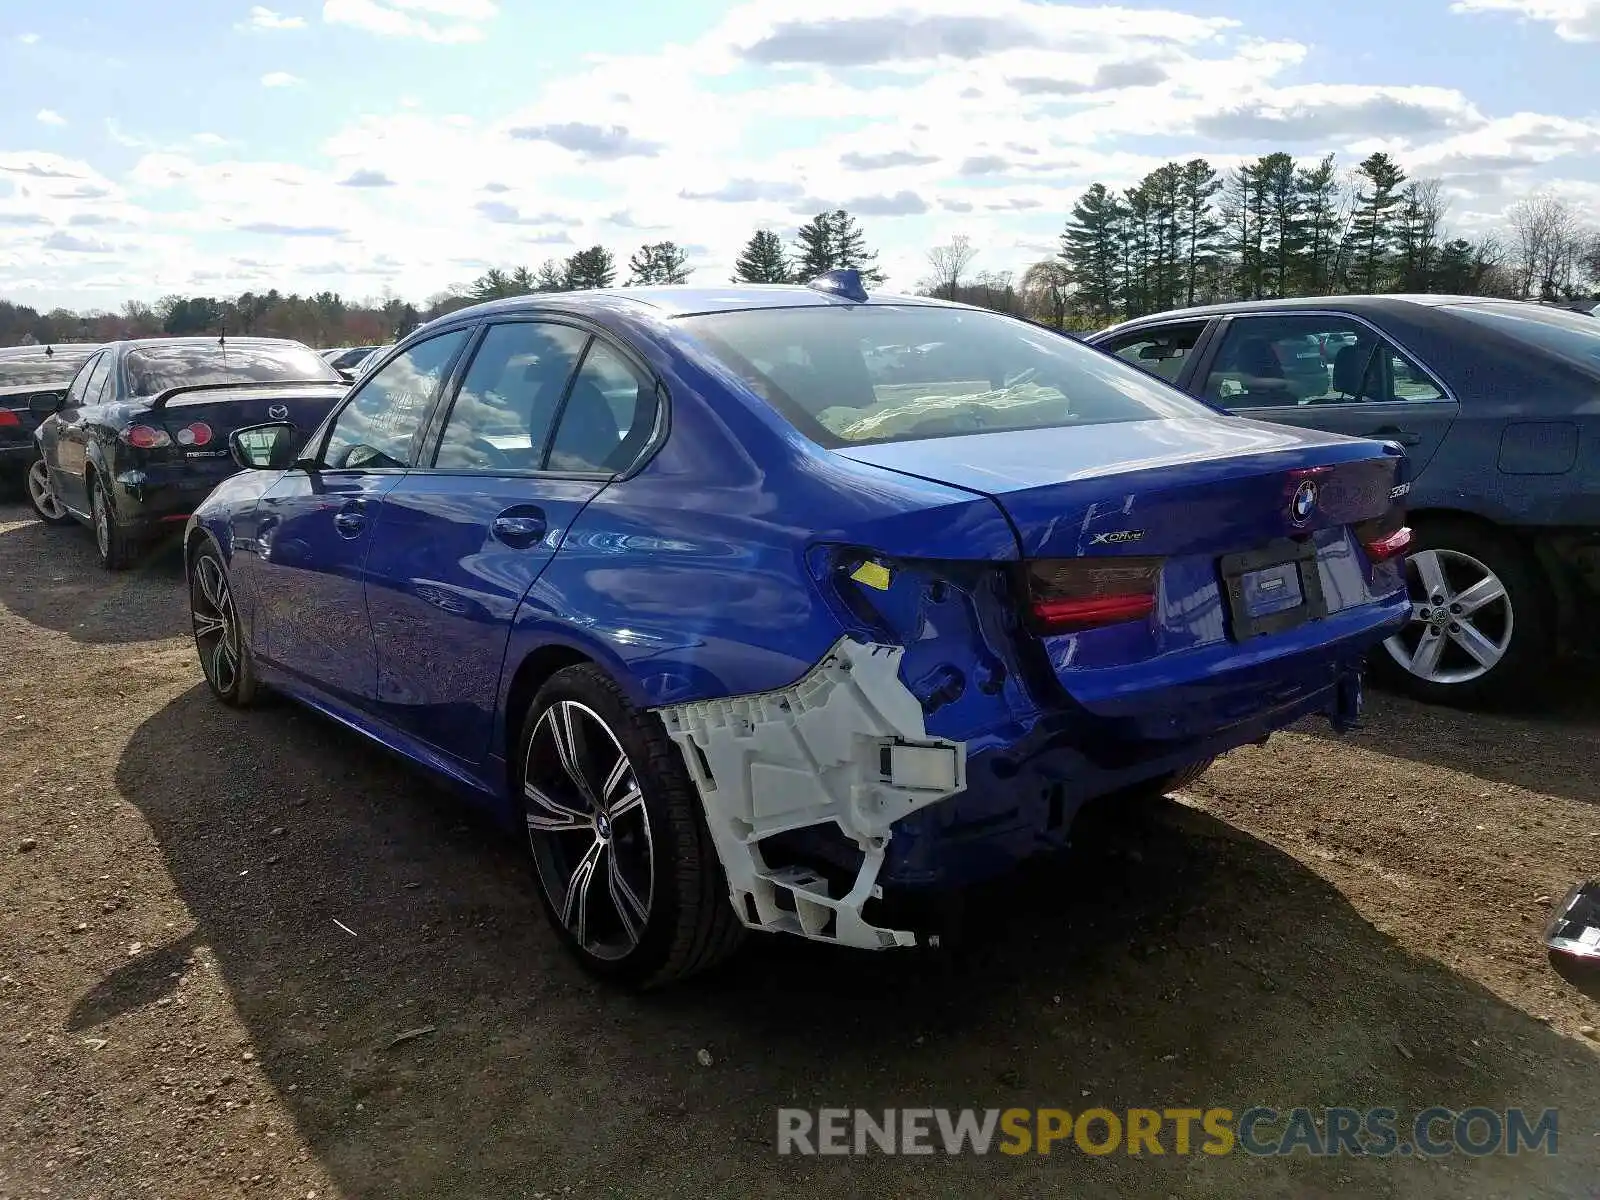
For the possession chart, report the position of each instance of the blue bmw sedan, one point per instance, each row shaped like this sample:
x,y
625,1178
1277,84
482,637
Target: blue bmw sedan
x,y
783,608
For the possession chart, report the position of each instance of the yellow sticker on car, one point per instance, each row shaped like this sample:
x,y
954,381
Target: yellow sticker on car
x,y
872,575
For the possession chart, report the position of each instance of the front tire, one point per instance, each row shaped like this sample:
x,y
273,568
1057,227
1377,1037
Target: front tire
x,y
42,496
117,548
1482,619
626,869
218,637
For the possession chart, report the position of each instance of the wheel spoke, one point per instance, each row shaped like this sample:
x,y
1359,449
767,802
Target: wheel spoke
x,y
205,625
208,585
1431,572
556,816
614,781
1426,659
575,908
1484,652
626,803
222,665
566,740
1486,591
629,907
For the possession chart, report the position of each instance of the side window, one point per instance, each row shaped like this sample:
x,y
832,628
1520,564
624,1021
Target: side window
x,y
507,403
86,387
1162,351
1410,381
376,428
1284,361
608,418
80,382
104,391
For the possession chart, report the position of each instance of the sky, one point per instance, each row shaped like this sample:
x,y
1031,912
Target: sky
x,y
397,147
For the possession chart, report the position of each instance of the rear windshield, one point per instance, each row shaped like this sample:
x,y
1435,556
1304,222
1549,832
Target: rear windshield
x,y
881,373
153,369
41,370
1574,336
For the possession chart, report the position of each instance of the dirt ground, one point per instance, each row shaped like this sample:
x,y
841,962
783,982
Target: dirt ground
x,y
216,924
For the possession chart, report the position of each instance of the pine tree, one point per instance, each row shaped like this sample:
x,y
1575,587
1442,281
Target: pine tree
x,y
523,282
850,248
1319,226
1199,225
551,277
1137,246
591,268
814,248
657,263
1244,214
1372,228
1092,247
762,260
1282,234
1161,191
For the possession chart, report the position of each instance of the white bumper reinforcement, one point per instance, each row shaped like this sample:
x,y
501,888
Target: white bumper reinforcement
x,y
846,744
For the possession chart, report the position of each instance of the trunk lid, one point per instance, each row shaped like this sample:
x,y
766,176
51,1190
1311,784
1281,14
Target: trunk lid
x,y
223,409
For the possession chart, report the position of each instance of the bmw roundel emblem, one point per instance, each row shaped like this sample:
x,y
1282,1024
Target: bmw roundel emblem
x,y
1304,505
278,412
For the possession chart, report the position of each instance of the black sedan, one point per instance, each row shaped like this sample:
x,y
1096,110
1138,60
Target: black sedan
x,y
1495,404
32,381
141,435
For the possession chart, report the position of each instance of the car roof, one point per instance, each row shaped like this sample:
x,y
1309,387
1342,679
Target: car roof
x,y
1355,304
678,300
205,340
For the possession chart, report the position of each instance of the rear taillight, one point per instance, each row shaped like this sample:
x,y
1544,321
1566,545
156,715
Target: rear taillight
x,y
1066,595
197,434
1389,545
146,437
7,417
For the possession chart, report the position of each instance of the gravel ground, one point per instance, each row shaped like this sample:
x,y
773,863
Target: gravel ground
x,y
217,925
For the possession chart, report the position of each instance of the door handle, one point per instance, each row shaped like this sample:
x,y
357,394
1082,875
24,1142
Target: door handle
x,y
1393,433
520,531
350,524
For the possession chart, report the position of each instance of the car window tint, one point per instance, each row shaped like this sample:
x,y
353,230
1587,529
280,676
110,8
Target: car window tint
x,y
96,381
1285,361
1408,380
376,427
508,400
80,382
155,368
608,418
1162,352
890,373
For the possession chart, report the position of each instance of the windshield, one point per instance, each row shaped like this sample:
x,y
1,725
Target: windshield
x,y
153,369
1573,336
39,370
880,373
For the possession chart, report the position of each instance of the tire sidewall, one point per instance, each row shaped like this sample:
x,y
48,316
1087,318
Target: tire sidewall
x,y
1513,678
243,690
590,687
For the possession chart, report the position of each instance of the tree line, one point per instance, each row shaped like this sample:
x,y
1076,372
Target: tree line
x,y
1185,234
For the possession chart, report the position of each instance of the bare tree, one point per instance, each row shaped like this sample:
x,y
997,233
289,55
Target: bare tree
x,y
1547,245
949,264
1046,287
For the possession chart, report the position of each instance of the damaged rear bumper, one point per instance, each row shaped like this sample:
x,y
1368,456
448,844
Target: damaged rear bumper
x,y
841,763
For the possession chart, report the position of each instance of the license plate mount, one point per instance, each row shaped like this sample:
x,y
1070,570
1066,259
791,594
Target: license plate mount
x,y
1273,589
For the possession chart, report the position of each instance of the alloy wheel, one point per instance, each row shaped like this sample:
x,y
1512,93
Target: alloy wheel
x,y
43,493
216,625
102,521
589,830
1461,618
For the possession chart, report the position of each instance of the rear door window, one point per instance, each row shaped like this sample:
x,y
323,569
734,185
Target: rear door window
x,y
608,418
96,382
1288,360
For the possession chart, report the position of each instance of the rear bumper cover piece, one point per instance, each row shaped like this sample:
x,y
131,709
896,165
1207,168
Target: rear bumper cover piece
x,y
845,745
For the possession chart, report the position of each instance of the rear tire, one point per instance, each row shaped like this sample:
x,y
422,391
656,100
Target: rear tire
x,y
1489,632
625,866
41,494
117,548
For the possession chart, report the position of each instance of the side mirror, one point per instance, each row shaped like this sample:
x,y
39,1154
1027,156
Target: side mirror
x,y
270,447
42,404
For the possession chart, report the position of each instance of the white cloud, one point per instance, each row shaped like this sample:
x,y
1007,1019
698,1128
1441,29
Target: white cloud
x,y
49,116
278,79
266,18
430,20
28,39
1575,20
